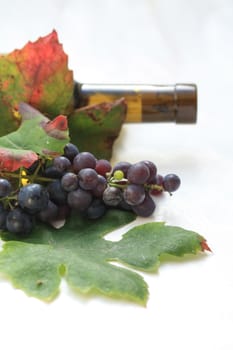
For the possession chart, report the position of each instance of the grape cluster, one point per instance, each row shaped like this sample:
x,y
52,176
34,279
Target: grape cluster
x,y
78,182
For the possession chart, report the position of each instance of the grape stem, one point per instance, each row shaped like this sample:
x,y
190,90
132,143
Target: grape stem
x,y
20,176
114,183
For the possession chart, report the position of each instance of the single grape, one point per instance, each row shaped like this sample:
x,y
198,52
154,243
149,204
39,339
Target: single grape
x,y
3,215
103,167
49,213
19,222
53,172
62,163
79,199
123,166
69,182
100,187
112,196
152,168
70,151
83,160
88,178
5,188
56,193
171,182
33,198
146,208
134,194
96,209
138,173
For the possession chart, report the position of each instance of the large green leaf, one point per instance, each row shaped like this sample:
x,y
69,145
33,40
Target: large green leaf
x,y
79,253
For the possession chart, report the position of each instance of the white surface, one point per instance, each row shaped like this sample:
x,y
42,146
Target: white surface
x,y
191,303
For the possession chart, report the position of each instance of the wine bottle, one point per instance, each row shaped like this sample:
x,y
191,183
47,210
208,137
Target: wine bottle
x,y
145,102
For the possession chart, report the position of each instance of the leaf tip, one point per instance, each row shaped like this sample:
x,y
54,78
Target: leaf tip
x,y
205,246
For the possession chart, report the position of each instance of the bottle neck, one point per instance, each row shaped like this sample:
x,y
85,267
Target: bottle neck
x,y
145,103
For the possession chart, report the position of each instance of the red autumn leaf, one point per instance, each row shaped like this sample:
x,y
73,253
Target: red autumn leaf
x,y
37,74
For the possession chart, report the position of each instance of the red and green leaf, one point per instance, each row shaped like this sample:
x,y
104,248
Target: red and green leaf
x,y
36,136
37,74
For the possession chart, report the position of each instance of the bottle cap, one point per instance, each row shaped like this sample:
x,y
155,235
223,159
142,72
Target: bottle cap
x,y
186,103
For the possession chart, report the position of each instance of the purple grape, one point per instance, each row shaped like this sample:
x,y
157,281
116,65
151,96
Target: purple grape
x,y
146,208
61,163
56,193
100,187
33,198
19,222
83,160
134,194
171,183
88,178
96,210
53,173
152,168
70,151
138,173
5,188
79,199
112,196
69,182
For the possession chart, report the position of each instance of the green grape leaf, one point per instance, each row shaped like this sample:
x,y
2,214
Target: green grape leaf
x,y
37,135
37,74
96,127
80,253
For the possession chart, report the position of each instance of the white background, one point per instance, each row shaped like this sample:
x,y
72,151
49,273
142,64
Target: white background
x,y
150,41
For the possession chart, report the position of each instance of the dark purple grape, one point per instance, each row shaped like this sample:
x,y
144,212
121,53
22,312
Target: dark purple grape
x,y
96,210
88,178
62,163
134,194
56,193
100,187
79,199
103,167
70,151
52,172
138,173
84,160
112,196
49,213
123,166
69,182
19,222
33,198
146,208
152,168
5,188
171,183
